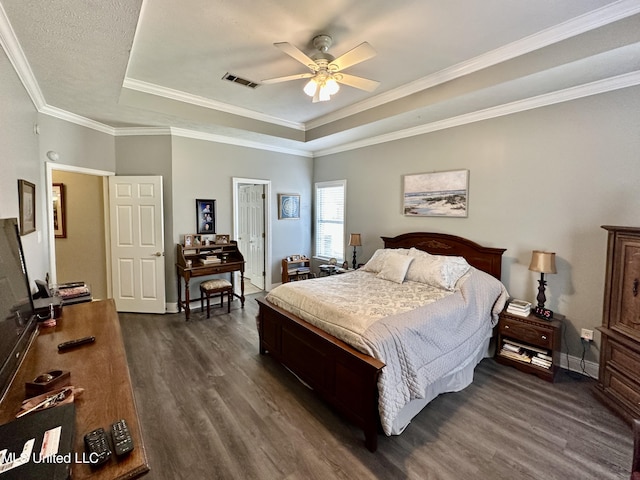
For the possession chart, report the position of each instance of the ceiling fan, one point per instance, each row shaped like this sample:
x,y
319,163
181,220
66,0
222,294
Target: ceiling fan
x,y
326,71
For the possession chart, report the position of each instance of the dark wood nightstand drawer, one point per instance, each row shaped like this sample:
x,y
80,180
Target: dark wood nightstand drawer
x,y
520,329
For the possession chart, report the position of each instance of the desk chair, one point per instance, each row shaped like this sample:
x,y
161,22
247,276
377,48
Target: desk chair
x,y
217,286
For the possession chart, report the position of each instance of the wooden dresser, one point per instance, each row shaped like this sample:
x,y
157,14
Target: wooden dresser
x,y
101,369
619,378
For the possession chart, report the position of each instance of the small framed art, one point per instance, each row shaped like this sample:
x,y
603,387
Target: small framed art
x,y
206,216
59,220
27,206
436,194
288,206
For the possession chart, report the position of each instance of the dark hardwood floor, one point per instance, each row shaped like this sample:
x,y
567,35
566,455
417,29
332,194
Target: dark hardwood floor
x,y
211,407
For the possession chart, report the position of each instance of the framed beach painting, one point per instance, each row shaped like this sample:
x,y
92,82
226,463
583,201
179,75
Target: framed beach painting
x,y
436,194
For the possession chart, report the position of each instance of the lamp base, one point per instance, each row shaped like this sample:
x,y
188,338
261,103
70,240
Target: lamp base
x,y
542,312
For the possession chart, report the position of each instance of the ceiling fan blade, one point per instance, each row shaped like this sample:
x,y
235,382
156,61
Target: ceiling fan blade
x,y
357,82
287,78
297,54
362,52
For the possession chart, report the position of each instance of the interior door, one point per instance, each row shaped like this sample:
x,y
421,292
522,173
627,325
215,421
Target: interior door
x,y
137,244
251,232
256,234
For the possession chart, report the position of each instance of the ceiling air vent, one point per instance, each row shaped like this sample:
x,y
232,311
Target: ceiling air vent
x,y
241,81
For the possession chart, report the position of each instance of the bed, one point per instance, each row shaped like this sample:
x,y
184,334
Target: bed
x,y
347,372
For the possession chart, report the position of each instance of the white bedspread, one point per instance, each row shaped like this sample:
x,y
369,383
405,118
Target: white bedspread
x,y
420,332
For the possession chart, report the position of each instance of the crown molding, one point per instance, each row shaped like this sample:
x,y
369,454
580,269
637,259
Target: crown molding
x,y
578,25
77,119
153,89
573,93
212,137
141,131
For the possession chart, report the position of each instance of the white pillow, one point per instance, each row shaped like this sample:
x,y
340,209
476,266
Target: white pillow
x,y
376,262
440,271
414,252
395,267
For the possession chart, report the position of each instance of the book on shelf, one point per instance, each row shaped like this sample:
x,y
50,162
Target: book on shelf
x,y
303,270
544,357
526,347
189,252
540,362
522,356
206,261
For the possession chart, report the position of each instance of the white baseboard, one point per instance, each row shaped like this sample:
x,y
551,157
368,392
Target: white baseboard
x,y
590,368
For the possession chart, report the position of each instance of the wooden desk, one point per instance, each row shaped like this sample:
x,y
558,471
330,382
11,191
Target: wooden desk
x,y
234,262
101,369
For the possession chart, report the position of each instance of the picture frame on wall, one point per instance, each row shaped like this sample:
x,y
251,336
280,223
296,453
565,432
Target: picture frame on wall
x,y
59,213
205,216
288,206
436,194
27,206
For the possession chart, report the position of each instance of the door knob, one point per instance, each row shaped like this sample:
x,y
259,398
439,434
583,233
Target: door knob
x,y
158,254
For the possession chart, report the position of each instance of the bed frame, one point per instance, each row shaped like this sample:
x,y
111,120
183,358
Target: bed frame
x,y
344,377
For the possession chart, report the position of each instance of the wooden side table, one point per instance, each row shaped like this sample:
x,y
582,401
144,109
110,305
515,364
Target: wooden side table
x,y
534,337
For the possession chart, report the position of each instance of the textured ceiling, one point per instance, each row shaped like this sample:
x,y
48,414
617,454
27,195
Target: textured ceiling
x,y
160,63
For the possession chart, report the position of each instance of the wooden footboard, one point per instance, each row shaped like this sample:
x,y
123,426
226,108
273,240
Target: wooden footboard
x,y
344,377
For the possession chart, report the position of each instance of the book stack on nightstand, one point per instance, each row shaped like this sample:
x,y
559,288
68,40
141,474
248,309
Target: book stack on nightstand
x,y
521,308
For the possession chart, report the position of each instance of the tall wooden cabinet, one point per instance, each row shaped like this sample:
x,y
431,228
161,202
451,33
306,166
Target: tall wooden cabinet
x,y
619,379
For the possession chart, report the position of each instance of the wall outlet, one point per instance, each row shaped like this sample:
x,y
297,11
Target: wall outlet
x,y
587,334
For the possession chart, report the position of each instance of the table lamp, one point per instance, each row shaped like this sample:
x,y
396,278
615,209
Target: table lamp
x,y
355,241
543,262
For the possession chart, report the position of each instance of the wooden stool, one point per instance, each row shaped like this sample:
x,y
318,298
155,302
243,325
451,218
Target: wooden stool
x,y
217,286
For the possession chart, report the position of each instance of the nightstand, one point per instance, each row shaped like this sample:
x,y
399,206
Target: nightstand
x,y
530,344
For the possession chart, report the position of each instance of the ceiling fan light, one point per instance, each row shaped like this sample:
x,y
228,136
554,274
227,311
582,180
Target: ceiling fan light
x,y
324,94
310,87
332,86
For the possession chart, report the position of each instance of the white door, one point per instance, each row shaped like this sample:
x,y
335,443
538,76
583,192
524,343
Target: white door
x,y
251,231
256,235
243,227
137,244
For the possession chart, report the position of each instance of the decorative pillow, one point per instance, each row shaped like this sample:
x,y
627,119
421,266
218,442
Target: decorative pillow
x,y
414,252
440,271
376,262
395,267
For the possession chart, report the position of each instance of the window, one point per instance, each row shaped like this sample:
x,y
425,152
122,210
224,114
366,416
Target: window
x,y
329,222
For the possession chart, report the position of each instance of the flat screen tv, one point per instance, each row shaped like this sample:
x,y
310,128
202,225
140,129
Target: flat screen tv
x,y
17,319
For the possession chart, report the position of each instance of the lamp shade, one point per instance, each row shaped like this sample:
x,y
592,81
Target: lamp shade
x,y
355,240
543,262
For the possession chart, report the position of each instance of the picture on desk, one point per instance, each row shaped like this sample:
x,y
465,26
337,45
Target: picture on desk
x,y
206,216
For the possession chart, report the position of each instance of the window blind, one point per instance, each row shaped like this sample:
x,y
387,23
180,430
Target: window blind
x,y
329,225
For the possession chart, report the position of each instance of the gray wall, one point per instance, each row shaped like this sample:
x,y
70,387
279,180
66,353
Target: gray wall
x,y
542,179
206,170
19,159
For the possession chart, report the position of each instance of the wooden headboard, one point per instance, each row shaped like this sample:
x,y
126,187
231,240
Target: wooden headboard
x,y
486,259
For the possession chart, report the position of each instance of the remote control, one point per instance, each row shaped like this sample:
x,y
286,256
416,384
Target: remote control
x,y
97,446
75,343
122,441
